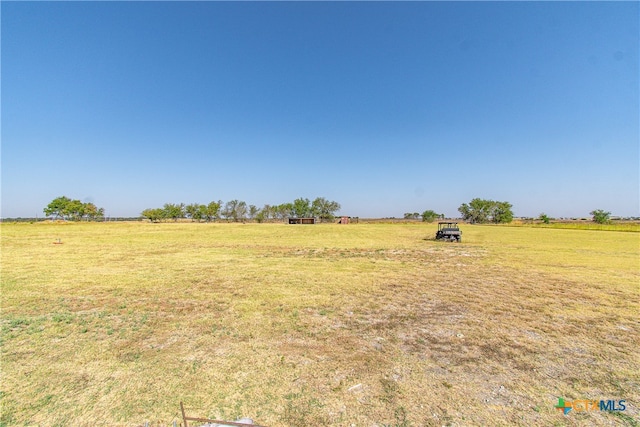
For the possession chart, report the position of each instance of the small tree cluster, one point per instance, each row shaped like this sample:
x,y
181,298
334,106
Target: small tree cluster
x,y
319,208
66,208
430,216
411,215
483,211
173,211
238,210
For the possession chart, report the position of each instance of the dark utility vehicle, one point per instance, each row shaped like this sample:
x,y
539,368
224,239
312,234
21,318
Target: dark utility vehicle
x,y
449,231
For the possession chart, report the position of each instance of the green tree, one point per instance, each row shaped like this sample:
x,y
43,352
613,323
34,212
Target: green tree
x,y
235,209
202,212
213,210
174,211
74,210
92,212
325,209
430,216
252,212
284,210
501,212
482,211
600,216
57,207
195,211
66,208
154,214
267,213
477,211
544,218
301,208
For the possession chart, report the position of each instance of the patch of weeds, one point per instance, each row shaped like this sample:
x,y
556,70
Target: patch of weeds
x,y
44,401
65,317
401,418
390,390
130,356
6,415
6,419
302,411
18,322
628,420
237,409
220,330
138,323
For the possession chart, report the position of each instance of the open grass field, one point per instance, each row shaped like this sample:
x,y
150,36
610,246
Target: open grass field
x,y
324,325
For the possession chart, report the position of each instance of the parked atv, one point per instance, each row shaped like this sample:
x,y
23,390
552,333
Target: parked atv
x,y
449,231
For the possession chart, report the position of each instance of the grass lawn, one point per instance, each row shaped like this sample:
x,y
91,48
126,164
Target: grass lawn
x,y
322,325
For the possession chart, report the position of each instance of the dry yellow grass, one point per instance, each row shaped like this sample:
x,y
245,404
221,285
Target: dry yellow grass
x,y
365,324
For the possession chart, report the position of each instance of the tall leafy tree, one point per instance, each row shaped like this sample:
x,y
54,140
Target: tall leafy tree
x,y
66,208
92,212
154,214
202,212
482,211
477,211
174,211
194,211
252,212
301,208
75,210
501,212
325,209
267,213
57,207
227,210
213,210
283,210
240,211
235,210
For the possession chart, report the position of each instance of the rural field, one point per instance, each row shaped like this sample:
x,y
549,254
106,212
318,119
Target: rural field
x,y
321,325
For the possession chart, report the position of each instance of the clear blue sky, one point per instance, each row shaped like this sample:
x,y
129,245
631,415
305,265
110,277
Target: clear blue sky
x,y
383,107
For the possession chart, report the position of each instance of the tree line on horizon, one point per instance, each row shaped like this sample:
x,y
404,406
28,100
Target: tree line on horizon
x,y
478,211
238,211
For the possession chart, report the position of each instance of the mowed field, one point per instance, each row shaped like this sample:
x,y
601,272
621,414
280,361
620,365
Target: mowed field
x,y
322,325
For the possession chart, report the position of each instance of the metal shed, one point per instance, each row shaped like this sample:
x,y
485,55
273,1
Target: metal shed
x,y
302,220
